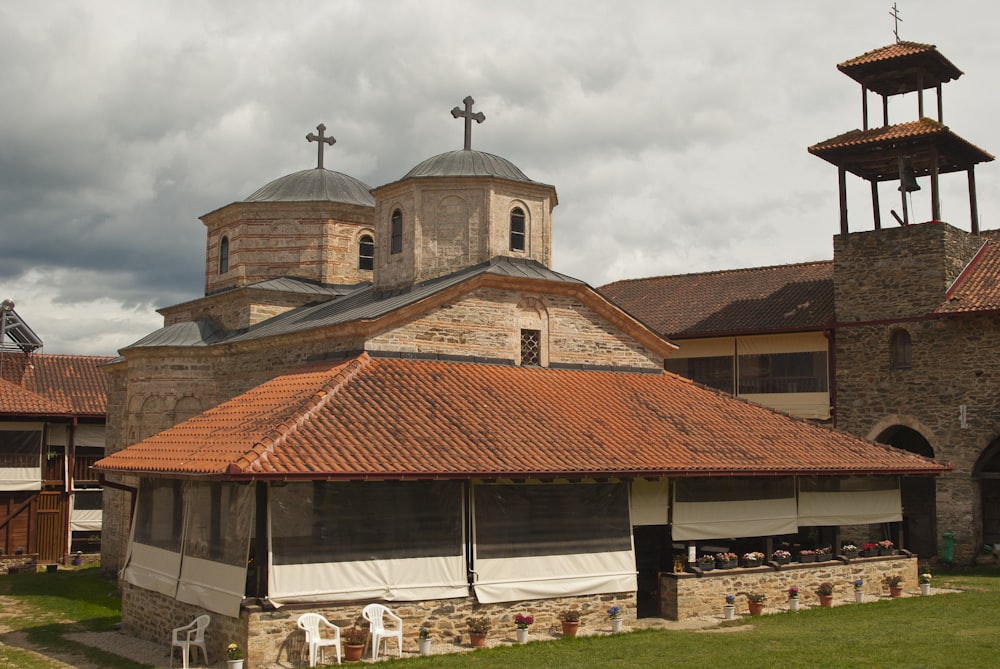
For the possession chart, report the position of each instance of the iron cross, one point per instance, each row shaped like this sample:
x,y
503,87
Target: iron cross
x,y
895,15
478,117
313,137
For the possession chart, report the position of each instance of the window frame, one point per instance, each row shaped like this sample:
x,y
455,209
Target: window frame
x,y
396,232
366,240
518,230
224,255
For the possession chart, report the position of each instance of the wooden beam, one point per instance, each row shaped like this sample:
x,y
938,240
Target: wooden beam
x,y
973,207
935,192
842,185
875,206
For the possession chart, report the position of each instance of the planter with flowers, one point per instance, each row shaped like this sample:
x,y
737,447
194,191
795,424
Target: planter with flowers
x,y
424,641
729,610
868,550
753,559
924,581
615,616
824,553
793,598
354,638
706,562
859,593
807,555
570,620
479,627
523,622
825,593
849,551
895,584
234,656
755,602
885,547
781,556
726,560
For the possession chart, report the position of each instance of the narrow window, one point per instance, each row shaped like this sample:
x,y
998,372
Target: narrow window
x,y
223,255
517,230
901,350
366,253
531,347
396,236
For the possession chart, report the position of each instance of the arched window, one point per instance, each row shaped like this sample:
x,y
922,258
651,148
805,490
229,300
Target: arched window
x,y
901,350
223,255
396,235
366,252
517,229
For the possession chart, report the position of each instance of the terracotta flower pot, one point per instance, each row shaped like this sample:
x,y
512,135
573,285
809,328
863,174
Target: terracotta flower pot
x,y
895,593
477,640
826,600
756,608
569,628
352,652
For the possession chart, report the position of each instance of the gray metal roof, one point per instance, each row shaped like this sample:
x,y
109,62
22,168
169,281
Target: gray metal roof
x,y
359,304
468,163
315,185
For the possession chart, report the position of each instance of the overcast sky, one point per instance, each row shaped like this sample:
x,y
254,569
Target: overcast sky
x,y
675,133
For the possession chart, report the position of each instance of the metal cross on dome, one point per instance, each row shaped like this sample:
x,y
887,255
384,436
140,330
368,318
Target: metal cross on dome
x,y
313,137
478,117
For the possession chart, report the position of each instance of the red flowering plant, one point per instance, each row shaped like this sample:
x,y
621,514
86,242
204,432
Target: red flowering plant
x,y
522,621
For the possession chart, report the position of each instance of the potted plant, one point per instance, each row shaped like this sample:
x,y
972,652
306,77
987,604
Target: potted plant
x,y
522,621
793,598
859,593
726,560
729,610
354,638
807,555
924,580
868,550
849,551
825,593
753,559
234,656
615,615
706,562
78,559
885,547
570,621
755,602
824,553
895,585
424,641
479,627
781,556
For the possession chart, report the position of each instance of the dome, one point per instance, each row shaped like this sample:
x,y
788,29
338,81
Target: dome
x,y
468,163
315,185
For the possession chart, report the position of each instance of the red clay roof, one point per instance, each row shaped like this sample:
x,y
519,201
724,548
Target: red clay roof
x,y
780,298
73,383
978,287
16,401
390,418
901,67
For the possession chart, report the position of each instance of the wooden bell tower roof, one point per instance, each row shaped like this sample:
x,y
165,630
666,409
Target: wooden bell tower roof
x,y
900,68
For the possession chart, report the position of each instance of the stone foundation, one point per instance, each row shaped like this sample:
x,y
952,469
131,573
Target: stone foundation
x,y
19,563
690,596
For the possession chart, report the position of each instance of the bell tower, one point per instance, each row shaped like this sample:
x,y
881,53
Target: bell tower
x,y
906,151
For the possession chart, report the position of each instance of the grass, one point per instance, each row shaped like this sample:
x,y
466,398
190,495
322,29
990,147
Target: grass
x,y
951,630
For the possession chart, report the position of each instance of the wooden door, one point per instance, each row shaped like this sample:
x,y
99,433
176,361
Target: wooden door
x,y
51,526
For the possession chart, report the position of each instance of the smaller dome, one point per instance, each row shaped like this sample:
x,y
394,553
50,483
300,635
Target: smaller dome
x,y
468,163
315,185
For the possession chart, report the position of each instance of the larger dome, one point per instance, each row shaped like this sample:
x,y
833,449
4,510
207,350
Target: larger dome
x,y
468,163
315,185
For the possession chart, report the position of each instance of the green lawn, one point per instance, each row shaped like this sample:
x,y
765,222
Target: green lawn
x,y
953,630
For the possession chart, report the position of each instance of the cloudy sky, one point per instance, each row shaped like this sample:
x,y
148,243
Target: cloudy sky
x,y
675,133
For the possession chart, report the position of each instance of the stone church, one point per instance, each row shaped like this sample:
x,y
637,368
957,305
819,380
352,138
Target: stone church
x,y
388,394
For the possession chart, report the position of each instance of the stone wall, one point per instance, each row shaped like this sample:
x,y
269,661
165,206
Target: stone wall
x,y
686,595
271,639
27,563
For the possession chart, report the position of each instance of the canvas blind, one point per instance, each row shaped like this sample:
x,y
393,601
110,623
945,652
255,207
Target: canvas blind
x,y
719,508
849,500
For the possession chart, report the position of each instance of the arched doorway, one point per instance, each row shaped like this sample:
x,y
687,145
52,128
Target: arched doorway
x,y
919,493
987,472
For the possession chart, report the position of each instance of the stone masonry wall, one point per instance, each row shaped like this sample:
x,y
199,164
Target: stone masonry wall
x,y
271,638
685,596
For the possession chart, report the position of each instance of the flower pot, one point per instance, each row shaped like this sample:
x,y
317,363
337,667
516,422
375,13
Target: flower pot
x,y
424,646
77,561
807,558
522,635
925,588
477,640
726,564
793,603
895,593
823,557
751,563
886,551
826,600
706,566
570,628
729,612
850,555
352,652
235,664
756,608
616,625
859,596
783,560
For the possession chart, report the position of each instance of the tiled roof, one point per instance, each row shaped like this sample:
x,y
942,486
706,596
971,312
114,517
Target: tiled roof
x,y
978,288
16,401
895,50
902,67
72,383
377,418
783,298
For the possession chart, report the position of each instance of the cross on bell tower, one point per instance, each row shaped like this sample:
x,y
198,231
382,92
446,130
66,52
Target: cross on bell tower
x,y
478,117
313,137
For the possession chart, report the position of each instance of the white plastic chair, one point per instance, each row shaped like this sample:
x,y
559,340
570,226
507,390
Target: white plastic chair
x,y
190,636
310,622
376,614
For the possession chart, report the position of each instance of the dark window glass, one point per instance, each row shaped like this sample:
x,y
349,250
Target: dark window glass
x,y
87,501
224,255
20,449
783,373
553,519
396,237
517,230
901,350
366,253
714,372
531,347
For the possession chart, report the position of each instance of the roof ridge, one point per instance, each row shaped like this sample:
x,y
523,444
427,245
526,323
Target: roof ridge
x,y
734,270
290,424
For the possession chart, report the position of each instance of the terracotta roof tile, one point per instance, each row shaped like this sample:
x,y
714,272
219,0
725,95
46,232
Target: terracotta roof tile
x,y
901,67
74,382
978,287
18,401
895,50
392,418
782,297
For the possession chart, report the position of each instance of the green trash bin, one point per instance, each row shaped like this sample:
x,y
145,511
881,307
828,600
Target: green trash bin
x,y
948,547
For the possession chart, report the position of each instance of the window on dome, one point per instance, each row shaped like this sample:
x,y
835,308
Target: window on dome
x,y
223,255
517,229
396,236
366,253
